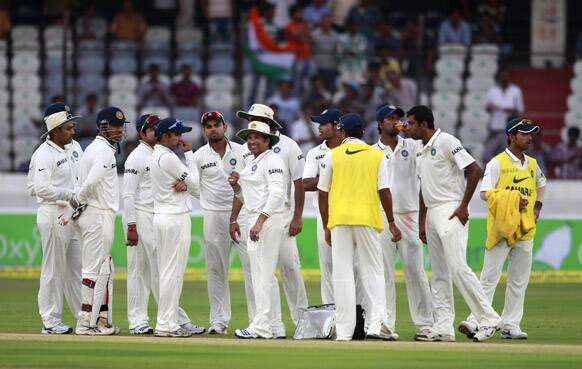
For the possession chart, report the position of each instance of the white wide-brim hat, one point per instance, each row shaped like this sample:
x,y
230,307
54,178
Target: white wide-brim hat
x,y
259,110
258,127
58,119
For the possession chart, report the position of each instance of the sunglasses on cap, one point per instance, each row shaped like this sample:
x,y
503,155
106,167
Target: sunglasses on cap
x,y
177,124
150,121
211,115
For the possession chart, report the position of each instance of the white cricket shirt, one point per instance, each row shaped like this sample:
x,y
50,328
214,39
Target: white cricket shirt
x,y
52,173
137,183
402,173
98,176
215,191
440,166
165,169
293,160
262,184
311,169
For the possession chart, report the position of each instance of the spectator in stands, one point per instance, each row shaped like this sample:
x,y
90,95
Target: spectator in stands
x,y
368,103
219,15
386,39
87,129
400,91
325,41
568,156
153,92
313,13
542,152
409,48
341,9
504,102
347,100
267,11
351,54
304,131
494,10
317,95
366,16
186,93
288,105
282,11
486,31
299,38
128,25
5,23
91,25
455,30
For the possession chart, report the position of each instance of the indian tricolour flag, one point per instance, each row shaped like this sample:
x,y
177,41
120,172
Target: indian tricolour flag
x,y
266,56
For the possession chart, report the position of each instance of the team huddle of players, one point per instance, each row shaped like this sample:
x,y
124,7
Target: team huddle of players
x,y
252,198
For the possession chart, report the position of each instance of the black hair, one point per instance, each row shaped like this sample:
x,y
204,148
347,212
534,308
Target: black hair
x,y
422,113
574,131
356,133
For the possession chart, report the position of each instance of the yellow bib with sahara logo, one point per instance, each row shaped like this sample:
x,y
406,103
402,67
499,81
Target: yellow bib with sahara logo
x,y
353,196
522,180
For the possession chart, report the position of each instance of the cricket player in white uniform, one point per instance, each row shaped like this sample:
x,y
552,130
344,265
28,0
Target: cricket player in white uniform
x,y
138,216
99,193
511,170
328,121
289,263
214,162
260,187
351,215
401,154
52,177
172,225
442,165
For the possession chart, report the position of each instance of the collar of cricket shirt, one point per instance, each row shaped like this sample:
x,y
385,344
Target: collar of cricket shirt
x,y
430,142
107,142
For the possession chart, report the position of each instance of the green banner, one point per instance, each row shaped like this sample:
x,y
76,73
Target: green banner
x,y
558,244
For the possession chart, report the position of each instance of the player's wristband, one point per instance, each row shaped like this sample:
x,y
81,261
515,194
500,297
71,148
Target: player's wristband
x,y
234,222
391,220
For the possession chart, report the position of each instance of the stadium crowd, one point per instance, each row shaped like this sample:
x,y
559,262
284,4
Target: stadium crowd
x,y
354,55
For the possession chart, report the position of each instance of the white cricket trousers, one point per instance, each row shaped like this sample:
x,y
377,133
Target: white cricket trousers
x,y
61,267
347,242
411,252
172,236
518,271
290,270
325,264
263,256
142,272
447,245
217,247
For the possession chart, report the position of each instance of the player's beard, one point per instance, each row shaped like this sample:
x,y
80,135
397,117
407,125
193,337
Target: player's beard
x,y
216,139
393,133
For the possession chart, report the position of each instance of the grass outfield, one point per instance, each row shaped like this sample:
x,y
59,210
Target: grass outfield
x,y
552,319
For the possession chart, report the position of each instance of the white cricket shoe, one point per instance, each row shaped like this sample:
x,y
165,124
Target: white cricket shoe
x,y
104,326
513,334
279,333
142,330
60,328
468,328
83,330
383,336
245,333
484,333
192,328
217,329
428,335
180,332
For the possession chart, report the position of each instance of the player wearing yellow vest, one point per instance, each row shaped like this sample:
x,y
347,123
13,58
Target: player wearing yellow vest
x,y
353,181
514,171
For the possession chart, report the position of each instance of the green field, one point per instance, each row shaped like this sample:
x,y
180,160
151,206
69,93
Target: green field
x,y
553,321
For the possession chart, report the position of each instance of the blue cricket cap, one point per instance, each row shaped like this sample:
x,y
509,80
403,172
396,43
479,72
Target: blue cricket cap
x,y
521,125
330,115
146,121
171,125
388,110
351,122
111,115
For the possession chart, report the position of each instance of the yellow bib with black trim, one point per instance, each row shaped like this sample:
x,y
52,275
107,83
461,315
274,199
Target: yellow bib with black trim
x,y
522,180
353,196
